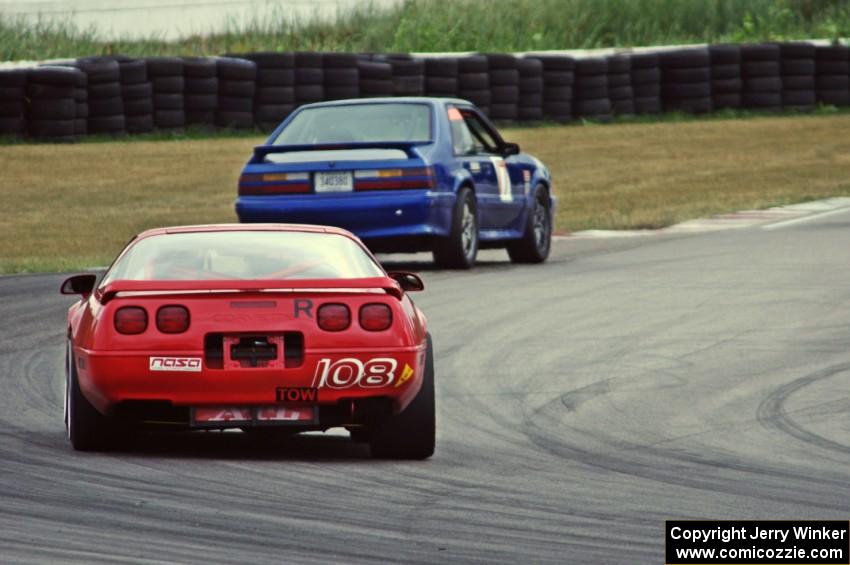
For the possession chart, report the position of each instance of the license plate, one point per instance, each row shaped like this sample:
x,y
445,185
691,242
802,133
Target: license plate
x,y
222,414
241,416
293,414
334,182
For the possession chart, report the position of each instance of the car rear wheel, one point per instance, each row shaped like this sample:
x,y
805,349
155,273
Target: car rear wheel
x,y
411,434
88,429
537,239
459,249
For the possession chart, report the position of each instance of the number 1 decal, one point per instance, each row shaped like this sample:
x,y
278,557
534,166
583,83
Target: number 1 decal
x,y
503,178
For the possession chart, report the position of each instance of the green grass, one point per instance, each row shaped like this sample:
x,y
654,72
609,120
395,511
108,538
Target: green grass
x,y
464,25
74,206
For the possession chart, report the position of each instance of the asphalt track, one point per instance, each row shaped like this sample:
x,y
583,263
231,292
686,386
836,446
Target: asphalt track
x,y
580,404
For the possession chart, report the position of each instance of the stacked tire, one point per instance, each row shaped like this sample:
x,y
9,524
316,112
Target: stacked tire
x,y
274,98
441,76
832,79
686,80
558,82
13,87
646,83
530,89
81,103
341,76
797,68
136,95
166,76
473,81
309,78
408,74
376,78
504,86
620,85
200,84
590,93
762,85
105,104
237,85
51,106
726,83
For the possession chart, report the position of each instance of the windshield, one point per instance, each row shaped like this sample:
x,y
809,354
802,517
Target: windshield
x,y
243,255
353,123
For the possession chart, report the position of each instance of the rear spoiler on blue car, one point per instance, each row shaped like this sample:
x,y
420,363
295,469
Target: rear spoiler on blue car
x,y
260,151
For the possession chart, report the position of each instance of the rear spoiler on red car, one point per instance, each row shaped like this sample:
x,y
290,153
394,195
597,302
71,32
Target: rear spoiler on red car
x,y
260,151
386,284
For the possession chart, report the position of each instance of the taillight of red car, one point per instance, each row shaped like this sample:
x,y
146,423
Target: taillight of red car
x,y
333,317
131,320
375,317
172,319
395,179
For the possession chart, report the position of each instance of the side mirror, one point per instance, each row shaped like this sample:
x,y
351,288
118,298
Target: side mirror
x,y
407,281
79,284
510,149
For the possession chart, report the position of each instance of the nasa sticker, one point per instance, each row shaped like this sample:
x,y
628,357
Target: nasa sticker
x,y
187,364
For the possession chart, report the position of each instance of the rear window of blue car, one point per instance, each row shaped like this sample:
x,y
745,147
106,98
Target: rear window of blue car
x,y
243,255
358,123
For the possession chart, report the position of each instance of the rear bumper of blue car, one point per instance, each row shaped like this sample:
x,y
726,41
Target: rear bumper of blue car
x,y
369,215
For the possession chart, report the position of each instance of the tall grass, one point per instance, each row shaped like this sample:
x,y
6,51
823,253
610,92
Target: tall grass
x,y
462,25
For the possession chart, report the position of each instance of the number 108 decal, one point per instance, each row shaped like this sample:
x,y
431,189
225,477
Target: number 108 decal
x,y
349,372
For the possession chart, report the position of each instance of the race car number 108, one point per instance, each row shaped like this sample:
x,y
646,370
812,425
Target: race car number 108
x,y
349,372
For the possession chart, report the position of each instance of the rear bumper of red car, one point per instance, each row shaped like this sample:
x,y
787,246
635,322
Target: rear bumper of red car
x,y
324,379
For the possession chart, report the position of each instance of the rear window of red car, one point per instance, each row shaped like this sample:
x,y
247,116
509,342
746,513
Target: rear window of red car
x,y
243,255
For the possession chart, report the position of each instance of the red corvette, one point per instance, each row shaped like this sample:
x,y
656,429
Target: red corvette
x,y
266,328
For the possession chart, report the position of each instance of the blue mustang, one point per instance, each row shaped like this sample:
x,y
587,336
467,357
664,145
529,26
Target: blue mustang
x,y
403,174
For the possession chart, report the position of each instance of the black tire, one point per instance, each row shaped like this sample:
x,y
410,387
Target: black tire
x,y
726,86
169,101
646,90
307,59
727,71
200,117
440,67
168,84
374,70
440,86
138,107
621,93
309,75
15,108
619,64
503,111
105,90
502,94
530,113
726,101
796,67
644,61
536,242
53,109
12,92
136,91
694,74
558,94
275,77
51,128
53,75
835,97
233,104
798,98
557,62
87,429
237,88
559,78
133,72
619,79
760,52
240,120
724,54
472,64
797,50
107,124
236,69
700,105
200,102
763,84
337,77
272,113
81,110
139,124
530,85
760,69
832,53
597,108
590,81
306,93
11,126
199,67
409,67
684,58
409,85
35,90
832,82
582,93
761,100
341,92
339,60
480,98
801,82
165,66
459,249
558,110
592,66
13,77
504,77
100,69
271,59
275,95
168,119
107,106
473,81
647,105
411,434
201,85
500,60
832,67
686,90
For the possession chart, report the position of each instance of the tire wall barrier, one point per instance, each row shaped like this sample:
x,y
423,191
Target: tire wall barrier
x,y
117,95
